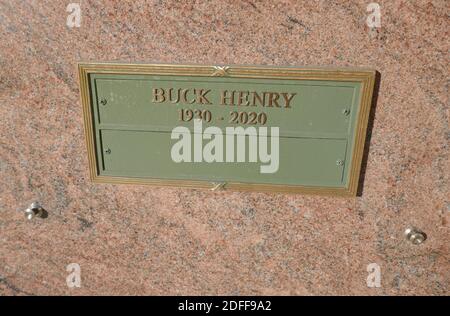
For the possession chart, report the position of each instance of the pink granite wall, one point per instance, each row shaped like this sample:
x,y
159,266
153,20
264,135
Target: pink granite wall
x,y
149,240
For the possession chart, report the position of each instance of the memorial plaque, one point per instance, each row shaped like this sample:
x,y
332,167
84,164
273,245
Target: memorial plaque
x,y
226,127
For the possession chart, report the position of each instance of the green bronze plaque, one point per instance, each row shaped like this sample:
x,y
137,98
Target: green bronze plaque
x,y
226,127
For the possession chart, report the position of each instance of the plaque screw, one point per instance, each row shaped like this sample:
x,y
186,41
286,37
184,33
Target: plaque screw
x,y
339,162
103,101
346,112
108,151
415,236
34,210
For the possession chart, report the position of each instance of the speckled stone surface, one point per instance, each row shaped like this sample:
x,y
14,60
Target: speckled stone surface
x,y
143,240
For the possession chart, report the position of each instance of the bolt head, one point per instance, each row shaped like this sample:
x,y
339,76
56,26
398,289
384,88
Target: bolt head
x,y
415,236
34,210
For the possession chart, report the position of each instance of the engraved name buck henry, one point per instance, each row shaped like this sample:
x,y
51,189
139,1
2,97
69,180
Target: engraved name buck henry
x,y
227,97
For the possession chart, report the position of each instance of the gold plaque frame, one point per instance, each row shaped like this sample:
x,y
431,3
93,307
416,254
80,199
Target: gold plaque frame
x,y
364,76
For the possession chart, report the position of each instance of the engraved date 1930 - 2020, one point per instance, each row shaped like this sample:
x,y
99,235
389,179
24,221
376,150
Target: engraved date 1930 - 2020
x,y
236,117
